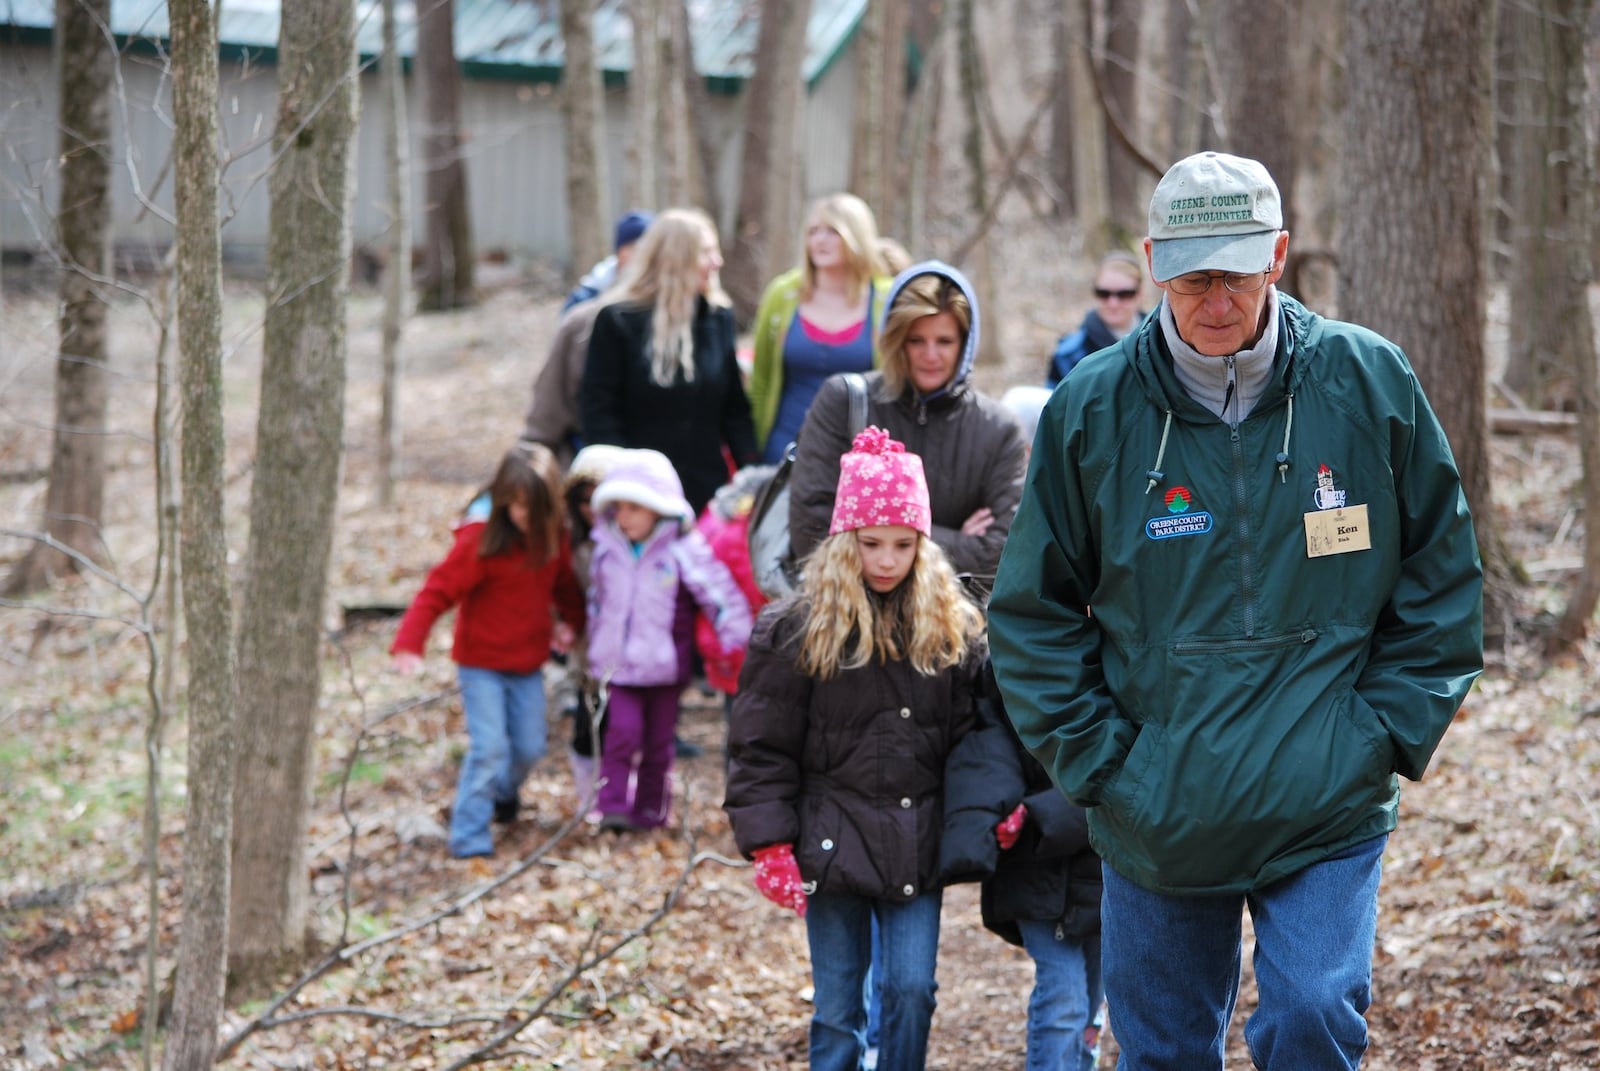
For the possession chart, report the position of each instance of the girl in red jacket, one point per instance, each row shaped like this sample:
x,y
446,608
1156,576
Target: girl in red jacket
x,y
853,694
510,576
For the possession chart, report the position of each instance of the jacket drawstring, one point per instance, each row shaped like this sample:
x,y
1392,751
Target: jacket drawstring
x,y
1155,474
1283,455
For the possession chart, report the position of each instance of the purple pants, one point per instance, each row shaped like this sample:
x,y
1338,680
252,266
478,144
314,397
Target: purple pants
x,y
637,748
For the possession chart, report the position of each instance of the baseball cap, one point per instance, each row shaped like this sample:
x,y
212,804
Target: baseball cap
x,y
1213,212
631,227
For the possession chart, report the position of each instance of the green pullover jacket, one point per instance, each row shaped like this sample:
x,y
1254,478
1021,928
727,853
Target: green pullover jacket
x,y
1235,708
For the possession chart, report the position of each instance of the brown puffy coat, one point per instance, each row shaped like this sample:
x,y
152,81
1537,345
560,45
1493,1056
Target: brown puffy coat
x,y
849,770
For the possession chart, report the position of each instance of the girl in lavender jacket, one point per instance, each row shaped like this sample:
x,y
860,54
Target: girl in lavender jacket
x,y
645,549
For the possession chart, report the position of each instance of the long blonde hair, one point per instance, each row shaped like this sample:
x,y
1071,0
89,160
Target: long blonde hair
x,y
664,275
852,220
928,620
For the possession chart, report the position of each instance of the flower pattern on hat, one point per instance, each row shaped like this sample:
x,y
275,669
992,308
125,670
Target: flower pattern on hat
x,y
880,483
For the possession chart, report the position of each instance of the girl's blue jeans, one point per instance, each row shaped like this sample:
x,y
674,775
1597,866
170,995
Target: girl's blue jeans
x,y
1066,994
505,737
839,928
1172,968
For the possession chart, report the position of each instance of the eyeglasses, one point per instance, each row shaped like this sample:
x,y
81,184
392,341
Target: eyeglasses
x,y
1196,283
1121,295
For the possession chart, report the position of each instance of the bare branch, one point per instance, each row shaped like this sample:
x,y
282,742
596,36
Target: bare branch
x,y
1012,167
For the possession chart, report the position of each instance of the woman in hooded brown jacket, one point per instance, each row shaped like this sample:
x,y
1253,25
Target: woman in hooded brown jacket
x,y
971,446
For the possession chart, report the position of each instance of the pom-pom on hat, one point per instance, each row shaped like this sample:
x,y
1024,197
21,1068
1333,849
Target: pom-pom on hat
x,y
646,478
880,484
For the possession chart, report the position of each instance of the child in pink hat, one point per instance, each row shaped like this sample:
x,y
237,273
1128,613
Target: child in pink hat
x,y
853,694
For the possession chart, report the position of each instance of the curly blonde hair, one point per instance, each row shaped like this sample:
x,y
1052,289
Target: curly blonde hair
x,y
927,620
664,275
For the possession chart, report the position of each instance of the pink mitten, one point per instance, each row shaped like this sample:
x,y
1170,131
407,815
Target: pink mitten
x,y
778,877
1010,827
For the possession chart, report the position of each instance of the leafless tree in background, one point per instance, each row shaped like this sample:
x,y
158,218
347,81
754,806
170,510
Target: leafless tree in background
x,y
766,186
644,149
207,598
1258,85
1415,139
299,451
694,152
1552,226
583,111
447,267
397,277
75,495
1119,72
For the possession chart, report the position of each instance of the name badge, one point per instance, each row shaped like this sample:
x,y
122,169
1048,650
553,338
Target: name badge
x,y
1337,531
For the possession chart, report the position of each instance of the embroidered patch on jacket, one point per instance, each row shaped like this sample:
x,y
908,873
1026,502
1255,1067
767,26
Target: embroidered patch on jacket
x,y
1327,495
1178,521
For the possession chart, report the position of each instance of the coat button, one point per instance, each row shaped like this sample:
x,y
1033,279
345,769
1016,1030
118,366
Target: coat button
x,y
827,845
909,890
905,802
905,712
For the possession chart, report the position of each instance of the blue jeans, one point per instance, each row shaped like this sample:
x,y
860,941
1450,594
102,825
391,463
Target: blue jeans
x,y
505,737
1172,968
839,928
1066,993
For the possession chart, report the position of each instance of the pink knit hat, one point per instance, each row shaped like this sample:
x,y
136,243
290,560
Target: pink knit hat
x,y
880,484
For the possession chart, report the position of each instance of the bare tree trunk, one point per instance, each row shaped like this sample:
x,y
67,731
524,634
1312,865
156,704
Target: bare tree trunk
x,y
868,163
1415,130
581,108
1063,117
397,281
771,106
1120,50
293,495
1091,194
918,150
892,73
644,151
971,81
447,264
697,152
1260,101
1569,166
1542,45
208,603
75,495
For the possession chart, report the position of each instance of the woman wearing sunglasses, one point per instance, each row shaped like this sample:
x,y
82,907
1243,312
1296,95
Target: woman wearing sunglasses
x,y
1116,312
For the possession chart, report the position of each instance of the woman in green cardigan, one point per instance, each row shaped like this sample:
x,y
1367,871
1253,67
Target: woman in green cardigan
x,y
817,319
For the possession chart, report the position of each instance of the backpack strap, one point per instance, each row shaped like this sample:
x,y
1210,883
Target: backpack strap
x,y
857,385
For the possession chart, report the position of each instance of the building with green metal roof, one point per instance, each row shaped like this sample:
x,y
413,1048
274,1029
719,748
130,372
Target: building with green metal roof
x,y
511,57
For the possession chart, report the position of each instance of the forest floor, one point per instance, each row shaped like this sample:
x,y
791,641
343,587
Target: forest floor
x,y
1488,953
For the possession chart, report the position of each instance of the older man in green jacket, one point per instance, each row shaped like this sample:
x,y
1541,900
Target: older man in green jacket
x,y
1264,515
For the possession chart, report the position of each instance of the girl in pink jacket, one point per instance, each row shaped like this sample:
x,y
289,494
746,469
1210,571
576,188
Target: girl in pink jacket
x,y
645,550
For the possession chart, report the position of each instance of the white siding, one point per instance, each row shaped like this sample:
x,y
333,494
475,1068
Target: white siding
x,y
514,155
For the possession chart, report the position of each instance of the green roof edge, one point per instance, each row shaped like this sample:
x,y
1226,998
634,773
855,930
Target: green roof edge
x,y
845,40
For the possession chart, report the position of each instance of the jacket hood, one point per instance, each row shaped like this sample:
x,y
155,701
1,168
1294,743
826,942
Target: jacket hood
x,y
645,477
969,352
